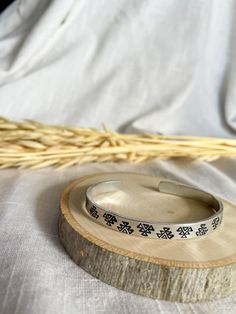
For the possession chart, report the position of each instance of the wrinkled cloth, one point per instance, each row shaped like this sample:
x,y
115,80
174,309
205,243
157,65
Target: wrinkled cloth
x,y
166,67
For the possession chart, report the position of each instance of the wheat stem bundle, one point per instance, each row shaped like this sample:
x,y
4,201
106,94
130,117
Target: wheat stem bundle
x,y
30,144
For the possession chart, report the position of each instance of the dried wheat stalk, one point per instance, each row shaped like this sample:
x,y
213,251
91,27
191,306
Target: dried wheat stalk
x,y
31,144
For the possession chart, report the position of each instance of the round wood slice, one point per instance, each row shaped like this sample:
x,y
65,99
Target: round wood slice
x,y
176,270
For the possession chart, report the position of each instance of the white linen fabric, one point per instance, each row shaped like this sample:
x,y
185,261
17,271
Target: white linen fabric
x,y
159,66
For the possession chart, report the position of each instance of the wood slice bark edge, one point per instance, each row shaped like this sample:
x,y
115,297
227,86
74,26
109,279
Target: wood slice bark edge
x,y
138,276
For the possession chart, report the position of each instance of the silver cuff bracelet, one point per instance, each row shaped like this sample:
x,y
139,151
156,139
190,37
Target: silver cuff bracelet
x,y
155,229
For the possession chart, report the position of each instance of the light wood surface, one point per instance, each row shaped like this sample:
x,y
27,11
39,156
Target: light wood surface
x,y
179,270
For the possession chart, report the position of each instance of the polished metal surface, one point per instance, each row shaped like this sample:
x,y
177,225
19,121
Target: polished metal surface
x,y
155,229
